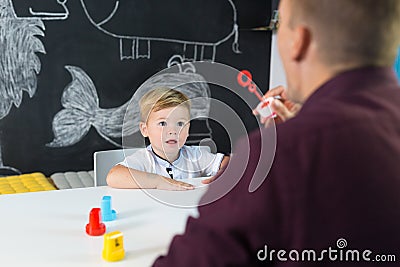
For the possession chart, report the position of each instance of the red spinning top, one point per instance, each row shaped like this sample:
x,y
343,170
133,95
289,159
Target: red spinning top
x,y
95,227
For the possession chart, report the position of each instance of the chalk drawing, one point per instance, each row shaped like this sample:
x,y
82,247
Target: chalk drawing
x,y
19,63
81,108
140,46
52,15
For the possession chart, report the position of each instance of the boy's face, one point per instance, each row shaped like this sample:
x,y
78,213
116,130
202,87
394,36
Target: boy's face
x,y
167,130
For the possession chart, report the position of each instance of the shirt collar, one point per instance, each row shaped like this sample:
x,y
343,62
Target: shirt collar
x,y
350,82
162,161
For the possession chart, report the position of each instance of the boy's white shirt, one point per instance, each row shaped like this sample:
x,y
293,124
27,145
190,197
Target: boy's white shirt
x,y
193,161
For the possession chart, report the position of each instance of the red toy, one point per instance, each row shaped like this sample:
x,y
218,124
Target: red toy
x,y
95,227
245,79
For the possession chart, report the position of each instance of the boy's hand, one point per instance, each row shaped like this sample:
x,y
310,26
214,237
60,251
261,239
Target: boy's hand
x,y
165,183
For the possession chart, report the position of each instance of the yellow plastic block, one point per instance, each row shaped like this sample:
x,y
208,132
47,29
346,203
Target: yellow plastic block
x,y
19,187
113,249
31,182
5,187
21,191
14,184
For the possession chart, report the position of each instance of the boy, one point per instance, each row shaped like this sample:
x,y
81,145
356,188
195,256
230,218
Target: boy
x,y
165,120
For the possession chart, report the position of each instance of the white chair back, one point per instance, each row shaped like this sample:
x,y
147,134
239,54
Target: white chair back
x,y
105,160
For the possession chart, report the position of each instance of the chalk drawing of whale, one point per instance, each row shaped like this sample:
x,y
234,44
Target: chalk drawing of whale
x,y
81,109
199,36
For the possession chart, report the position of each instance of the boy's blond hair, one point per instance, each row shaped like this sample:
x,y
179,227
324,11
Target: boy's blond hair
x,y
161,98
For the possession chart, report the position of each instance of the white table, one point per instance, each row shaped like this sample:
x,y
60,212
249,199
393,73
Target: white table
x,y
48,228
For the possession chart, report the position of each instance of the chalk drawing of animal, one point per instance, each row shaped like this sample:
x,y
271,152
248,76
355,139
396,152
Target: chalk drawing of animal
x,y
19,63
198,36
81,109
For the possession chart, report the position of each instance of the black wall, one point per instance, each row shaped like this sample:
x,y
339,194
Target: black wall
x,y
70,39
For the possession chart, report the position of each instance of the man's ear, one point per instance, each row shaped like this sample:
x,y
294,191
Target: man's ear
x,y
301,43
143,129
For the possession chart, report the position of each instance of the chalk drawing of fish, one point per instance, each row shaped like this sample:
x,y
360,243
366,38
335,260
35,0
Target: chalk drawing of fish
x,y
81,108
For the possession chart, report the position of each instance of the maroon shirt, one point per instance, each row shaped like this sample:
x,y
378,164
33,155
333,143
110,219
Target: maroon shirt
x,y
335,179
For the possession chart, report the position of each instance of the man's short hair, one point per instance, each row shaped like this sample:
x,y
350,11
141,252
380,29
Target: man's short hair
x,y
161,98
365,32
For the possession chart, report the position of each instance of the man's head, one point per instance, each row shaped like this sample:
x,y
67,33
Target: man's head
x,y
335,35
165,120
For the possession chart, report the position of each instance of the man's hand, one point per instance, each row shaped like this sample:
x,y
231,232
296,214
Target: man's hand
x,y
284,108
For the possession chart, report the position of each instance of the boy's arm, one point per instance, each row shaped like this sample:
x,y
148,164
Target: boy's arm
x,y
122,177
222,166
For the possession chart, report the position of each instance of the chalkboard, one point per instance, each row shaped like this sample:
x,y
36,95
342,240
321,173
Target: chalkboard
x,y
68,68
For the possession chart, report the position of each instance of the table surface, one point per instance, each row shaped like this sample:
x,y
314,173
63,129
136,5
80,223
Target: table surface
x,y
48,228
